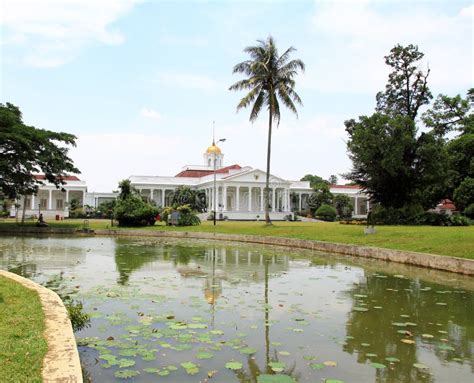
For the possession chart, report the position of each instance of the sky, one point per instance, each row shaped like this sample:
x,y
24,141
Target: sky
x,y
141,82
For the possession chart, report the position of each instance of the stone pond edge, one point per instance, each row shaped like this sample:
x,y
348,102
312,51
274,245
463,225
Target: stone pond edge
x,y
61,362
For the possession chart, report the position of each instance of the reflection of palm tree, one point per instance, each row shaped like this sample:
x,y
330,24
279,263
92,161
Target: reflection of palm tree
x,y
254,370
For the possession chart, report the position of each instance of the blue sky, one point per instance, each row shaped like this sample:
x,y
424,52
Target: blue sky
x,y
140,82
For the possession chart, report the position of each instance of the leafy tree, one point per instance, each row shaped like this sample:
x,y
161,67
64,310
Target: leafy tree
x,y
131,210
407,88
451,114
26,151
464,194
343,205
391,160
184,195
315,181
332,179
270,79
320,196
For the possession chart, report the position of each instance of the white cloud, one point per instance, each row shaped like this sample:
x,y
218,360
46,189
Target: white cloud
x,y
189,81
52,32
151,114
359,34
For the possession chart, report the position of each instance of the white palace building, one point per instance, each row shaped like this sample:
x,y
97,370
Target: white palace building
x,y
239,192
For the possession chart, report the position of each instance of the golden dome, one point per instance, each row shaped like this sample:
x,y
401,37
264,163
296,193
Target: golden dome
x,y
213,149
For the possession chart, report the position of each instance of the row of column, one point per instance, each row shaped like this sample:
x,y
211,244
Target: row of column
x,y
152,192
221,200
50,199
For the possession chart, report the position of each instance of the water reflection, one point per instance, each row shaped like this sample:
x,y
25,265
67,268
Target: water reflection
x,y
395,317
176,299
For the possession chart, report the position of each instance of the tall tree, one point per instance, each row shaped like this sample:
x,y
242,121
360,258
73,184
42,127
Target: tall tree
x,y
270,79
391,160
315,181
407,87
26,151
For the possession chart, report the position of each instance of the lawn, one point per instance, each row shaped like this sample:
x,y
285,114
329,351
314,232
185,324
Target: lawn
x,y
452,241
22,346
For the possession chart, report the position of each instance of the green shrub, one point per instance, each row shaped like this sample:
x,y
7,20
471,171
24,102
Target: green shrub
x,y
187,216
458,220
133,211
464,195
343,205
469,211
326,213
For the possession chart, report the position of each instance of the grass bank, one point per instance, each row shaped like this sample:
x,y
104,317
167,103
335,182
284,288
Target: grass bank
x,y
451,241
22,346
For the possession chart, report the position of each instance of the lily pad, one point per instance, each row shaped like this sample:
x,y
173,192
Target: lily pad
x,y
126,374
233,365
248,350
277,366
360,309
330,363
123,363
392,359
316,366
204,355
378,365
278,378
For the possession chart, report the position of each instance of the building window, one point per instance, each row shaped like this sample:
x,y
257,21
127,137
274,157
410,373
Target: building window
x,y
43,203
59,204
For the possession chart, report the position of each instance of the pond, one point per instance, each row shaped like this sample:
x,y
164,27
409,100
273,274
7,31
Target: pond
x,y
193,311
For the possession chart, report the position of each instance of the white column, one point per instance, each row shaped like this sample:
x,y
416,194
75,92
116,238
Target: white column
x,y
355,206
151,195
32,202
299,202
163,192
273,199
250,198
50,200
83,198
368,206
67,196
237,198
224,197
262,200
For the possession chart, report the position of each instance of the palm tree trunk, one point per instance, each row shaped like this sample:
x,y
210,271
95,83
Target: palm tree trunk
x,y
267,183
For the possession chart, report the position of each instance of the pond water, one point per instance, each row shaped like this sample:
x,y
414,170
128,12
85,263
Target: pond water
x,y
192,311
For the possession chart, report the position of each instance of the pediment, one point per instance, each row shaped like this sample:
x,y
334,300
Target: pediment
x,y
255,176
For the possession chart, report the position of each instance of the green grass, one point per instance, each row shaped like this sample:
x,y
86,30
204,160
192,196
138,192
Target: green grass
x,y
22,346
452,241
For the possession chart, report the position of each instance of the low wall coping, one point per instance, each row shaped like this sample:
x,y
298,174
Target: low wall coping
x,y
61,363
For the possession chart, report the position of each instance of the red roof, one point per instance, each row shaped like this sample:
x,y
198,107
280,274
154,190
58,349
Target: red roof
x,y
346,186
64,178
446,204
203,173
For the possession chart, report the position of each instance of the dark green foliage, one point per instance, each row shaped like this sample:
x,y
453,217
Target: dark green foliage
x,y
187,216
343,205
183,195
131,210
332,179
106,209
464,194
407,88
415,215
74,204
326,213
25,150
270,79
392,161
315,181
469,211
79,319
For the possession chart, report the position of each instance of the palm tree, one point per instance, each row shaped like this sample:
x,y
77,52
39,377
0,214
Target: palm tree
x,y
270,79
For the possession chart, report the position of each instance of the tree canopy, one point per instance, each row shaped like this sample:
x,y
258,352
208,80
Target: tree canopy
x,y
26,151
396,160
